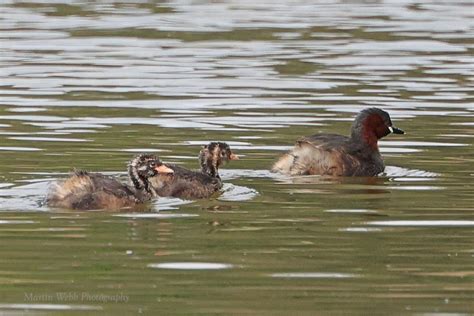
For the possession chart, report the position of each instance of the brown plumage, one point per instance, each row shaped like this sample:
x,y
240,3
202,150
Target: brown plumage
x,y
188,184
337,155
88,191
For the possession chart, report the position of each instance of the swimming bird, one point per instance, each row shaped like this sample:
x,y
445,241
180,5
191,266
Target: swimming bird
x,y
337,155
89,191
189,184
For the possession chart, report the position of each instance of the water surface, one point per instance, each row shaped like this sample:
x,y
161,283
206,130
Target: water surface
x,y
89,84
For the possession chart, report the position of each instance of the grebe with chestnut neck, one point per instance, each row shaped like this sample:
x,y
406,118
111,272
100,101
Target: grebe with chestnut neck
x,y
338,155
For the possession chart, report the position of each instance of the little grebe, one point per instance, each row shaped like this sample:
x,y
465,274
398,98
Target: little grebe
x,y
188,184
337,155
90,191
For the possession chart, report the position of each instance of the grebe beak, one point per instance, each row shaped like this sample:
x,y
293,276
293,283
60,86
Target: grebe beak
x,y
164,169
395,130
233,157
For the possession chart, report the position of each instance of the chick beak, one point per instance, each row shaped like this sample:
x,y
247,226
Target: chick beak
x,y
395,130
164,169
233,157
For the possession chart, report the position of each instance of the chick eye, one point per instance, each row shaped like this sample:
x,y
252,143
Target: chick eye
x,y
152,164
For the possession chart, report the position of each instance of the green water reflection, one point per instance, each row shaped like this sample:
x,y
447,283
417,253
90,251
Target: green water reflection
x,y
88,85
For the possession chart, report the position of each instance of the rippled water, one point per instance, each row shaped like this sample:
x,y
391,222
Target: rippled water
x,y
89,84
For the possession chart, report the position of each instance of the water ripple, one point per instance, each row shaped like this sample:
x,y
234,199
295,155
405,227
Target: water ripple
x,y
190,266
